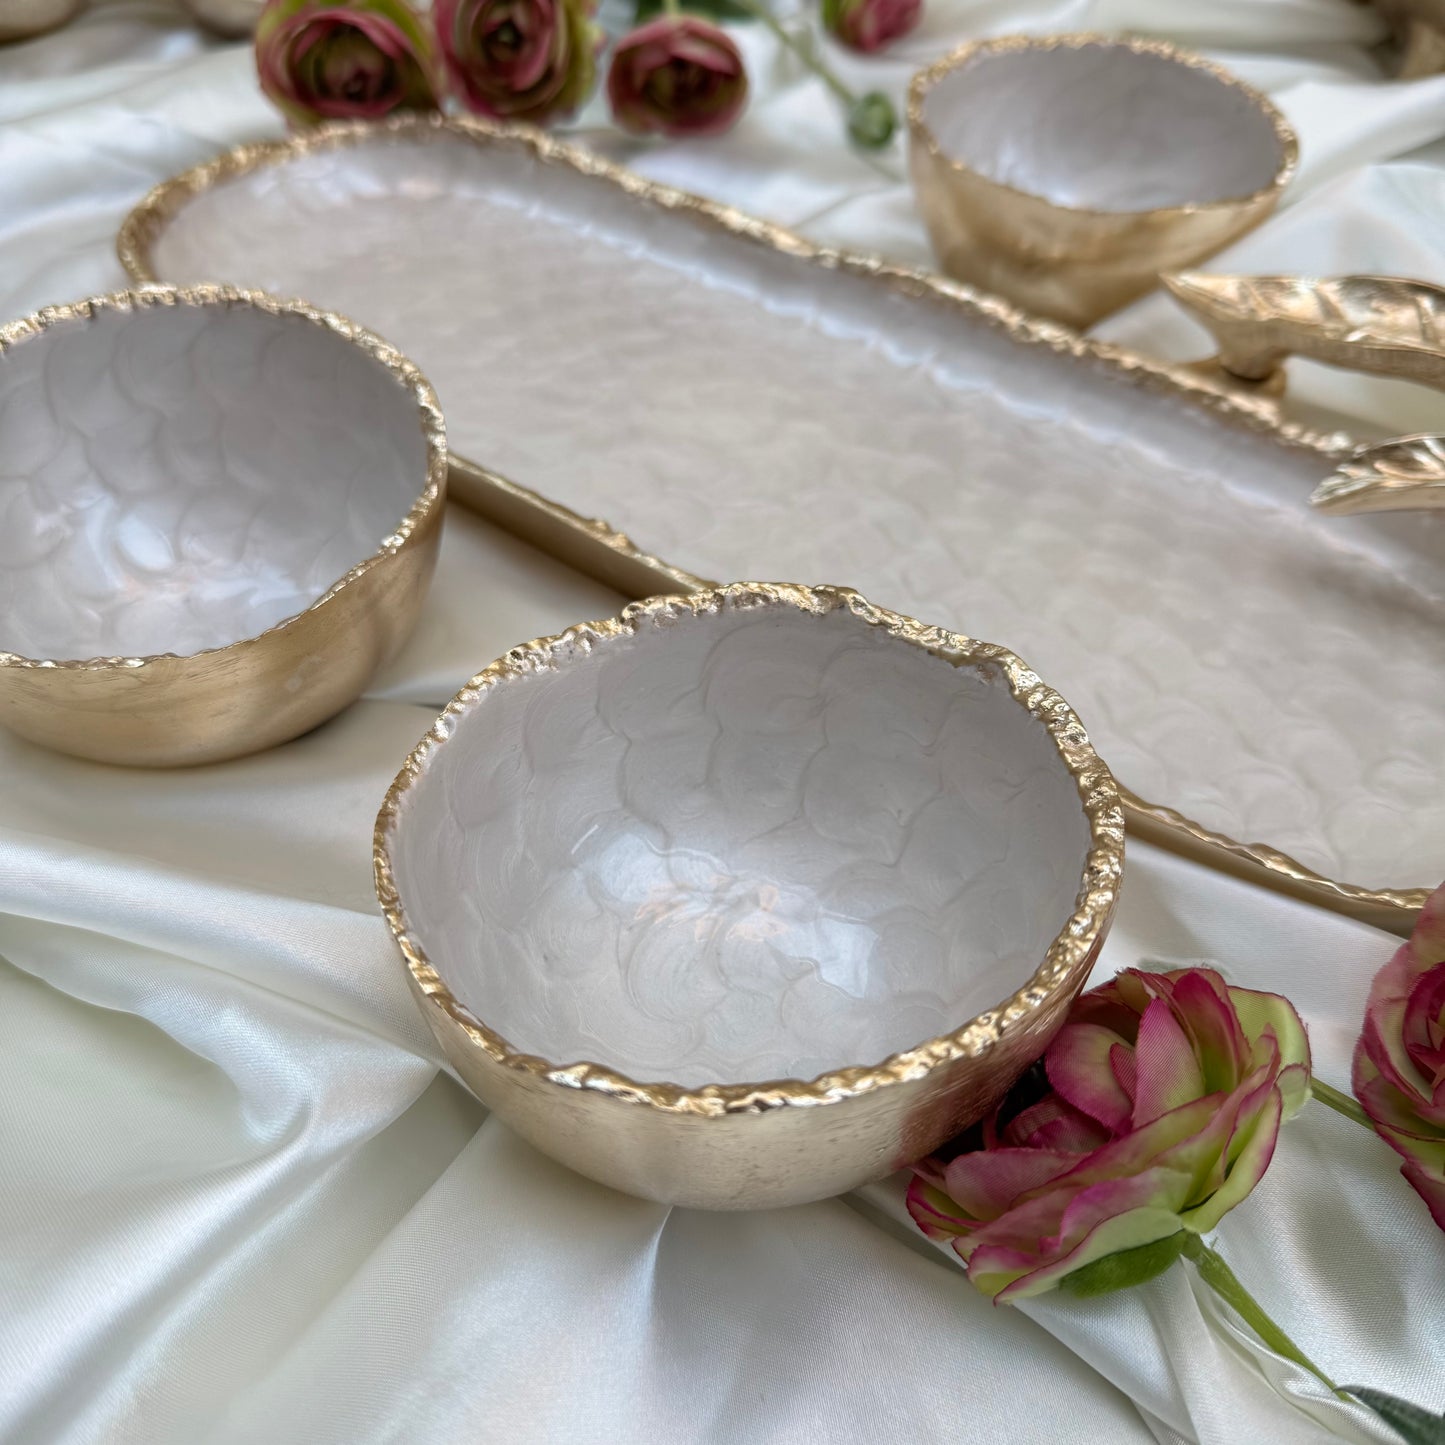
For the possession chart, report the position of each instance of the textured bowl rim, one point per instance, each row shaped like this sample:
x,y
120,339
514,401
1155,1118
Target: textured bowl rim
x,y
402,371
924,81
1070,951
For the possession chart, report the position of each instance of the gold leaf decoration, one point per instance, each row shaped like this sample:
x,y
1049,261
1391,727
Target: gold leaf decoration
x,y
1380,324
1405,474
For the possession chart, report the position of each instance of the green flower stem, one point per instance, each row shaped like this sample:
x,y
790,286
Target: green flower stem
x,y
672,7
803,52
1341,1103
872,119
1225,1283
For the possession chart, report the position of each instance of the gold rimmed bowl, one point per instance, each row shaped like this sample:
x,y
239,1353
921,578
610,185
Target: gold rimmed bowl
x,y
747,897
222,513
1066,172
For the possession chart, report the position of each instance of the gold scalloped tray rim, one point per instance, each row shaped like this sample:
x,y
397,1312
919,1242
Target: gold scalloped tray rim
x,y
597,548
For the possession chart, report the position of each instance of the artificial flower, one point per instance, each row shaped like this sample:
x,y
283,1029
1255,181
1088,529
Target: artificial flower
x,y
869,25
677,75
367,58
1399,1073
532,60
1156,1112
872,121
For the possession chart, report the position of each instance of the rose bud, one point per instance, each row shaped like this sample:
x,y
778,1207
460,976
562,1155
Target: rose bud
x,y
869,25
872,121
677,76
532,60
320,61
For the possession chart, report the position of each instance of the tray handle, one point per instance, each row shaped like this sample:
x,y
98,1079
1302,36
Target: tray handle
x,y
1379,324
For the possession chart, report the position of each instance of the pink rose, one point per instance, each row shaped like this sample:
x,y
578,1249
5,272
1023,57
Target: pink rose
x,y
532,60
869,25
319,61
1155,1113
677,76
1399,1074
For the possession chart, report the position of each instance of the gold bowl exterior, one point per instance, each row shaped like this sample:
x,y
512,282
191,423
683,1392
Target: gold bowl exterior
x,y
1419,27
780,1142
1069,263
22,19
168,710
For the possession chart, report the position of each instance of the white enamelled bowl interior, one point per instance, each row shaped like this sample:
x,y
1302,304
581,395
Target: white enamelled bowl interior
x,y
178,477
738,846
1103,127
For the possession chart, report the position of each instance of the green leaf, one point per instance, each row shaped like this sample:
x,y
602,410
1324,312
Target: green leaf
x,y
712,9
1125,1269
1409,1422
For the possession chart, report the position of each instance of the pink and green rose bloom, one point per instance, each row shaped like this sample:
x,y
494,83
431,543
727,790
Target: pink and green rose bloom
x,y
869,25
1155,1113
677,76
532,60
363,59
1399,1072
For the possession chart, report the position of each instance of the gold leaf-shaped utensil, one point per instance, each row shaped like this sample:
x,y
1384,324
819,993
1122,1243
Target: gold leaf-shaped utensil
x,y
1405,474
1380,324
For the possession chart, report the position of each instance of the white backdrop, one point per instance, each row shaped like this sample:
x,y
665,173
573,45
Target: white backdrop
x,y
238,1201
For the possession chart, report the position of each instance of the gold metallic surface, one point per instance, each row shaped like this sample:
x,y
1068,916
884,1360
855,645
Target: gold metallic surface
x,y
593,547
20,19
587,543
1070,263
1423,52
1392,909
1379,324
753,1146
1404,474
167,710
1419,27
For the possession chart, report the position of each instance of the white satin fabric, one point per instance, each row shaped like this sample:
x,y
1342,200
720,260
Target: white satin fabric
x,y
239,1201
